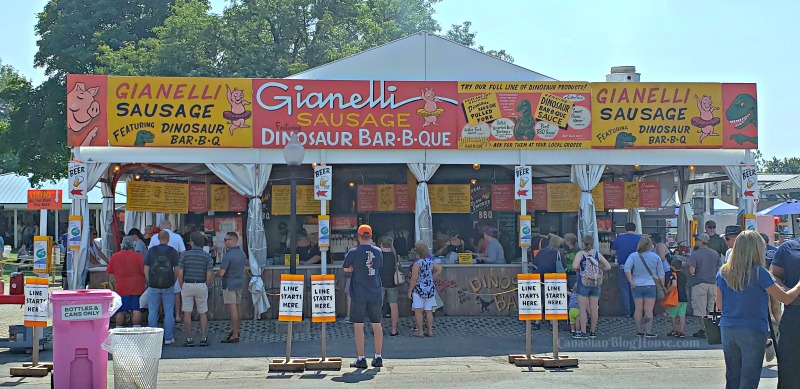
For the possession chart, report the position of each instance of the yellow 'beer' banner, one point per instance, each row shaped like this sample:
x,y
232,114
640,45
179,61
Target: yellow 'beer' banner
x,y
182,112
163,197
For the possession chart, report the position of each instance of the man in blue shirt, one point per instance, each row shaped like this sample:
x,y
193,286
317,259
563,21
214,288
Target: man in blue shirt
x,y
786,269
366,291
622,247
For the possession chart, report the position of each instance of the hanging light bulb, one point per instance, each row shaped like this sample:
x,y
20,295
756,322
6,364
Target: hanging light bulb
x,y
636,166
116,168
473,181
476,166
352,184
137,177
691,167
313,165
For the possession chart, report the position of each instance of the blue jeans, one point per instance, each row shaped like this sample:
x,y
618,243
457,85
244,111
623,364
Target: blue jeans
x,y
167,298
744,354
625,291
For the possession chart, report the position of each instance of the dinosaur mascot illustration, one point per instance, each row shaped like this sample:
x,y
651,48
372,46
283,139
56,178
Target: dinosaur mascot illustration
x,y
742,112
143,137
523,125
624,140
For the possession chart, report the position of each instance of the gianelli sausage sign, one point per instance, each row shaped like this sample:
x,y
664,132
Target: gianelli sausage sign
x,y
384,114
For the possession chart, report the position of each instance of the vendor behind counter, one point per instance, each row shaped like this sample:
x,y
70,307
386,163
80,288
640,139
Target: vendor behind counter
x,y
308,252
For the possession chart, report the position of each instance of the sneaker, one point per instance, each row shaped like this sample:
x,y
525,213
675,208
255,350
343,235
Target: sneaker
x,y
203,342
348,320
572,333
188,343
359,364
169,341
673,333
770,350
650,335
377,362
640,334
579,335
700,334
681,335
592,335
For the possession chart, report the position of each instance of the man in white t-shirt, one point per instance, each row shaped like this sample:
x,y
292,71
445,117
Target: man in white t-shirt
x,y
731,232
176,242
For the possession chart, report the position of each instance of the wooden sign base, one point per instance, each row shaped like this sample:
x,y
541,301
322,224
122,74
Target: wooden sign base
x,y
29,370
296,365
328,364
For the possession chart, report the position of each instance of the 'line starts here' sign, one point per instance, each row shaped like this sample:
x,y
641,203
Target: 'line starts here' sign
x,y
291,302
37,299
323,298
529,296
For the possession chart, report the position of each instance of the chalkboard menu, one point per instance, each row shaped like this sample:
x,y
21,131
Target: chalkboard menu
x,y
507,225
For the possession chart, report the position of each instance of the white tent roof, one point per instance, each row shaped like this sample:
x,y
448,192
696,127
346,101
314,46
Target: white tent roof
x,y
422,57
14,192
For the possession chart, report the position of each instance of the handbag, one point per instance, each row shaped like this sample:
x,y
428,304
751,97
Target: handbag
x,y
399,278
711,321
671,297
560,263
659,288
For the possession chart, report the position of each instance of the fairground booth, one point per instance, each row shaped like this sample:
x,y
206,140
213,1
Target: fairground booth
x,y
423,138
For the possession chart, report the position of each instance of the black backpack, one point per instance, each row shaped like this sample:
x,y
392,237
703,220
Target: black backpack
x,y
161,274
400,244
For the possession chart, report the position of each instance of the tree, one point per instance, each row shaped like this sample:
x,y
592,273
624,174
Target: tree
x,y
461,34
11,85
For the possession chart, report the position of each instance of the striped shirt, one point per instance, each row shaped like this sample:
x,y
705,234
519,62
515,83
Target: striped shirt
x,y
195,263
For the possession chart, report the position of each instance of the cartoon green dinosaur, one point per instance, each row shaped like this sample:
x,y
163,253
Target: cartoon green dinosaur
x,y
624,140
523,125
742,111
144,137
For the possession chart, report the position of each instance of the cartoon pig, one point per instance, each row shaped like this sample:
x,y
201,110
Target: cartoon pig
x,y
81,109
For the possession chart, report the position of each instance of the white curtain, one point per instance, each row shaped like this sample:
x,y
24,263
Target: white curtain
x,y
685,211
734,173
106,228
587,177
424,224
250,180
77,267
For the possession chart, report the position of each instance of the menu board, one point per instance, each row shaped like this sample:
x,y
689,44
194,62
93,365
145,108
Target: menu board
x,y
563,197
481,198
631,195
163,197
198,198
502,197
598,196
614,195
343,222
306,205
225,199
649,194
385,198
539,200
449,198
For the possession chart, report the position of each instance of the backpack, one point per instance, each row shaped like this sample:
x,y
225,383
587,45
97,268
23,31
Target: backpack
x,y
592,274
400,244
536,251
161,274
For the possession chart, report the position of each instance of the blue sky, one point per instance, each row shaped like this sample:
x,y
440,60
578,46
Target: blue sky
x,y
579,40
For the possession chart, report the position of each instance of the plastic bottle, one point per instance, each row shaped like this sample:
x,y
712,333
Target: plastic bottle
x,y
81,375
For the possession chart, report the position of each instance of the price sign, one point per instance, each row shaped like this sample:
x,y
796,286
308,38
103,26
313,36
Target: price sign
x,y
529,296
556,302
323,302
465,258
323,180
291,299
523,178
37,299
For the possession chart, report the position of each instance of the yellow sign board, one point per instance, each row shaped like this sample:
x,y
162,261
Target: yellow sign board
x,y
306,205
631,195
481,109
449,198
563,197
163,197
386,198
180,112
657,115
286,259
465,258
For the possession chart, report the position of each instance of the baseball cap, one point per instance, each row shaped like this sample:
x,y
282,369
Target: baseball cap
x,y
365,230
733,230
711,224
703,237
491,232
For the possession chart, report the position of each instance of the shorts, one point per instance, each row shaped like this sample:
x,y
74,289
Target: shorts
x,y
366,309
426,304
231,296
704,297
643,292
391,295
194,293
678,310
177,287
347,286
130,303
573,315
587,291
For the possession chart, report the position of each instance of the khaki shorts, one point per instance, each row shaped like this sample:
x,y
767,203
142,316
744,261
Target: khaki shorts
x,y
231,296
704,296
391,295
192,294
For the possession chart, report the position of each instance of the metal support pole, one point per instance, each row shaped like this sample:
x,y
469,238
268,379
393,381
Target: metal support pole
x,y
324,270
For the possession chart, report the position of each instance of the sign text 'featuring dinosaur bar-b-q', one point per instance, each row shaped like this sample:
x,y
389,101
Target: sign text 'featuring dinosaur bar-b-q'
x,y
328,114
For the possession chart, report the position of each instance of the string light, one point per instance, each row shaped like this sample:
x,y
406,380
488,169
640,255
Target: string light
x,y
352,184
116,168
476,166
137,177
636,166
691,167
473,181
